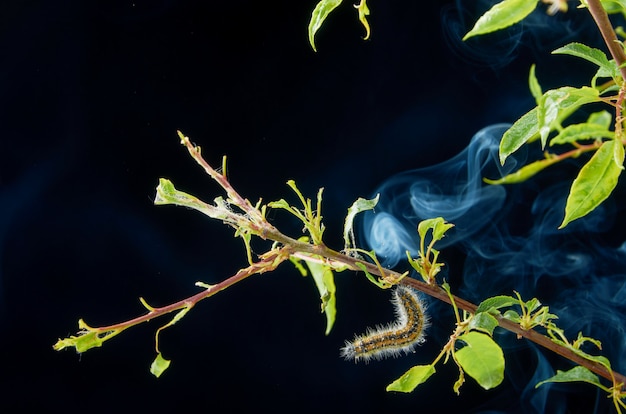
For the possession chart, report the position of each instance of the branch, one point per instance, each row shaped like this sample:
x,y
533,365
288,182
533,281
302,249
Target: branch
x,y
252,221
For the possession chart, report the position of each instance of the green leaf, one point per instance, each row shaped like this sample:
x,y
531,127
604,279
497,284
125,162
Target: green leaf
x,y
523,130
438,226
482,359
412,378
325,282
596,56
496,302
602,118
557,104
532,304
512,316
360,205
159,365
502,15
320,13
595,181
533,84
524,173
614,6
378,281
576,374
483,321
577,132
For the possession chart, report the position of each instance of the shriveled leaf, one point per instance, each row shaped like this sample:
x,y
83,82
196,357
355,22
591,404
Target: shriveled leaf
x,y
320,13
502,15
496,302
325,283
577,132
576,374
159,365
595,181
482,359
360,205
412,378
522,131
557,104
364,11
524,173
86,339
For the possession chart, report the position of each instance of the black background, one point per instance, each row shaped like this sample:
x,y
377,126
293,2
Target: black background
x,y
91,96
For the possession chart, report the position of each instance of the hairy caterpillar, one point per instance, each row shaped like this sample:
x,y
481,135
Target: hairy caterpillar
x,y
402,335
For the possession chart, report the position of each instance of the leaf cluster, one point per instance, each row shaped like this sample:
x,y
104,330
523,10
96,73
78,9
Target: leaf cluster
x,y
547,122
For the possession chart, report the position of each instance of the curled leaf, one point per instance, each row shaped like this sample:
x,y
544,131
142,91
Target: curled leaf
x,y
364,11
360,205
320,13
524,173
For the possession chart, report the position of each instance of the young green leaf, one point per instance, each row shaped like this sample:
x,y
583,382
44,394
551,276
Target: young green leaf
x,y
320,13
482,359
484,322
576,374
557,104
502,15
522,131
578,132
533,84
159,365
602,118
325,282
438,226
607,68
496,302
412,378
595,181
512,316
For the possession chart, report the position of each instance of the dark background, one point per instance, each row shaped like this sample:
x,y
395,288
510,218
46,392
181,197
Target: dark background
x,y
91,96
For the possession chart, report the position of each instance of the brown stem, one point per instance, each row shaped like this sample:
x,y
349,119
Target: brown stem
x,y
275,257
269,263
438,293
608,34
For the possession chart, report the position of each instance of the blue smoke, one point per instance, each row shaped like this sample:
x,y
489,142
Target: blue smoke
x,y
509,240
452,190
